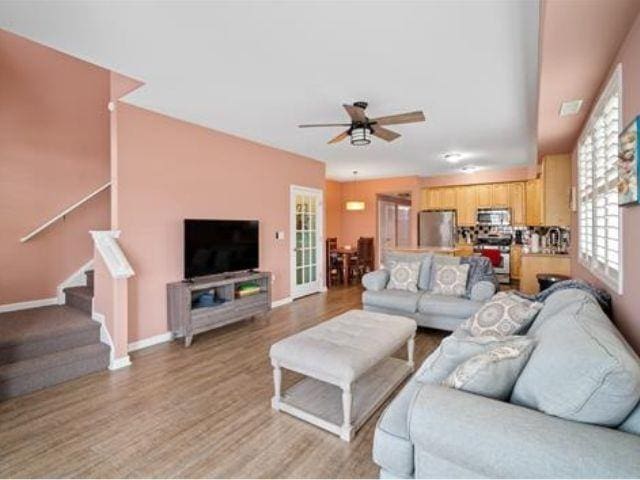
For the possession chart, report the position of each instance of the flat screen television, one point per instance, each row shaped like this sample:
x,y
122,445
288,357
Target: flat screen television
x,y
219,246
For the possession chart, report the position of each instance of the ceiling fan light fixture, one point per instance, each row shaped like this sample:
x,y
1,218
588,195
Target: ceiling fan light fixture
x,y
360,136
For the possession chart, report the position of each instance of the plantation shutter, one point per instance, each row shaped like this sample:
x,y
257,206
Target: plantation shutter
x,y
599,223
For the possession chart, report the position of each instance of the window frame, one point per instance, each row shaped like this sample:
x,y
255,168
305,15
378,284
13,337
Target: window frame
x,y
614,85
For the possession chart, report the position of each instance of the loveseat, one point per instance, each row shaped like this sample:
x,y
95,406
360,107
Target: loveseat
x,y
443,312
573,411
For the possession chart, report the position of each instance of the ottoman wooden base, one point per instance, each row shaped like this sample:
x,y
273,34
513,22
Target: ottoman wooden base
x,y
321,403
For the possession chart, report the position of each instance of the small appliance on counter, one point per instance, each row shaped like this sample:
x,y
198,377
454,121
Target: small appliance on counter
x,y
534,243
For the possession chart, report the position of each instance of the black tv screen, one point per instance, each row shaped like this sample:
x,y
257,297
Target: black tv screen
x,y
219,246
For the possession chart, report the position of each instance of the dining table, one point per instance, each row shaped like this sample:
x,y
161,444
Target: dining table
x,y
346,255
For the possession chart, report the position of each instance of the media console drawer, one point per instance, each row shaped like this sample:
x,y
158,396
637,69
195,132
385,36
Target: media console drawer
x,y
212,302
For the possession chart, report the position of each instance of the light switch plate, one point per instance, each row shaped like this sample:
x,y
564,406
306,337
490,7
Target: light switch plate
x,y
280,235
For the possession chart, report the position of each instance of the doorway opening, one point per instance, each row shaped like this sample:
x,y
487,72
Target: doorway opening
x,y
394,221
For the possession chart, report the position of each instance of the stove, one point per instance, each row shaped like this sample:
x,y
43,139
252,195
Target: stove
x,y
501,243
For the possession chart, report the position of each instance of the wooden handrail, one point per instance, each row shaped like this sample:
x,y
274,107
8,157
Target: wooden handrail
x,y
64,213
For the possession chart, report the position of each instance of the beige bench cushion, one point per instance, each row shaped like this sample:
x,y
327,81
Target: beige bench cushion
x,y
340,350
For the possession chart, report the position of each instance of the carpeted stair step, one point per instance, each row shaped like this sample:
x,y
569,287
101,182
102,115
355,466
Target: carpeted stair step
x,y
33,374
89,275
30,333
79,297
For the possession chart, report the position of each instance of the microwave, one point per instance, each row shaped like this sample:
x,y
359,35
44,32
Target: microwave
x,y
493,216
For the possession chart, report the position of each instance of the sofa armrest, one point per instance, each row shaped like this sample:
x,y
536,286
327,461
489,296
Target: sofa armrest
x,y
376,280
482,291
499,439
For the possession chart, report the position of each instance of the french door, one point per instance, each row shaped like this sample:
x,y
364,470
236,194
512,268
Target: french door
x,y
307,252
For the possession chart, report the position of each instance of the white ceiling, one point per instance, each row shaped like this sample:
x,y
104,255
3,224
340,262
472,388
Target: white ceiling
x,y
257,69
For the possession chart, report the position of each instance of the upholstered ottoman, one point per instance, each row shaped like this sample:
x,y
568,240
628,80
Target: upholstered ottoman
x,y
349,367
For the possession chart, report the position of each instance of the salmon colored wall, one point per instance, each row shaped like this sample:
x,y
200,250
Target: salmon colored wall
x,y
170,170
482,176
364,223
626,307
333,209
54,150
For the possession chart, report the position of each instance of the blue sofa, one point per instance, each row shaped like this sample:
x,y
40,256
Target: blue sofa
x,y
573,411
429,310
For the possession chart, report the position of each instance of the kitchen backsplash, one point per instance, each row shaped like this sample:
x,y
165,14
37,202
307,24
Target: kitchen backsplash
x,y
505,230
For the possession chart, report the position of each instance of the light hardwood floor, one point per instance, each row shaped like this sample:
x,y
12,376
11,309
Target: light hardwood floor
x,y
197,412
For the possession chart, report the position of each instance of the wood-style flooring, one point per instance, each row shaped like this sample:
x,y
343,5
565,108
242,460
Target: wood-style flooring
x,y
197,412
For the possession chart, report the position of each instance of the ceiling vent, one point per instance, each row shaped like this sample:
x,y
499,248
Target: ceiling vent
x,y
571,107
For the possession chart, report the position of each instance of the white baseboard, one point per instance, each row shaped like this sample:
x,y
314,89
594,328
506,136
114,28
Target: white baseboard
x,y
121,362
43,302
149,342
282,301
76,279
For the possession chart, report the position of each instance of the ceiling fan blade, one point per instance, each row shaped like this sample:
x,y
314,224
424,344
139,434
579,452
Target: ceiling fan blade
x,y
339,138
309,125
384,133
410,117
356,113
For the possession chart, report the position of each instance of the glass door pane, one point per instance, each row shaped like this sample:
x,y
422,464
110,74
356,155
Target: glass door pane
x,y
306,243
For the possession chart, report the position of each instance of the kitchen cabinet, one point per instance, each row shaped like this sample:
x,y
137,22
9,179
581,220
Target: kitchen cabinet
x,y
515,260
448,198
500,195
534,263
430,199
556,184
534,202
517,203
466,206
484,196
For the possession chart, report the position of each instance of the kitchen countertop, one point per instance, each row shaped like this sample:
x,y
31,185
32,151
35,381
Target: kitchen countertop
x,y
444,250
542,254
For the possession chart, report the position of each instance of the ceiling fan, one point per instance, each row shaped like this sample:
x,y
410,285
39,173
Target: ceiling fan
x,y
362,127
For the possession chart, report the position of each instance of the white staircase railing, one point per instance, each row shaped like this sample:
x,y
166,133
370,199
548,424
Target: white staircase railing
x,y
64,213
107,244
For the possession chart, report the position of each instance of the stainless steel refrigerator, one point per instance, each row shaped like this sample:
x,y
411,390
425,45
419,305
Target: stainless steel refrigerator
x,y
437,228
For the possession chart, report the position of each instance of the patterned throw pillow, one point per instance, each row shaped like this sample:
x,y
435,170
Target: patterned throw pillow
x,y
493,373
505,314
453,351
450,280
404,276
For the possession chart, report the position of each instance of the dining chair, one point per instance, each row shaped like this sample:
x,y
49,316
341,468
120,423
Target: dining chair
x,y
363,262
334,270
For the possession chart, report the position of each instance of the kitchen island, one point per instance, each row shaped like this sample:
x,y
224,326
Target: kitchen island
x,y
450,251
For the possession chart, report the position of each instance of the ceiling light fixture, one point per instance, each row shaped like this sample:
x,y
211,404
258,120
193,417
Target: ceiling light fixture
x,y
360,136
469,169
571,107
354,205
452,157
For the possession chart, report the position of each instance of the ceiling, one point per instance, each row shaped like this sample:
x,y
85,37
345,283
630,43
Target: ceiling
x,y
258,69
575,57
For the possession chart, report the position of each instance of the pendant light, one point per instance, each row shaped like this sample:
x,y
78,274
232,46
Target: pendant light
x,y
354,205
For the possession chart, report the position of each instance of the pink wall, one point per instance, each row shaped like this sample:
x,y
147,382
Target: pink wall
x,y
333,209
626,306
482,176
578,39
355,224
54,150
170,170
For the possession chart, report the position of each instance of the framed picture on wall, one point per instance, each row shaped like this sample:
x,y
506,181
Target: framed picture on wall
x,y
628,164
